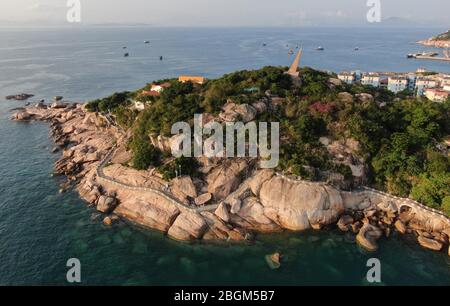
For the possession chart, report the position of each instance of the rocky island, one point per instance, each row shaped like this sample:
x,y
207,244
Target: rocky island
x,y
339,145
439,41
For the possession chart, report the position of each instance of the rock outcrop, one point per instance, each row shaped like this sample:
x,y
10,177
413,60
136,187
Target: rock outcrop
x,y
430,243
154,213
225,178
188,226
298,206
183,188
368,236
106,204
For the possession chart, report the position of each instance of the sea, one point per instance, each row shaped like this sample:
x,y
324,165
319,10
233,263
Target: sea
x,y
41,229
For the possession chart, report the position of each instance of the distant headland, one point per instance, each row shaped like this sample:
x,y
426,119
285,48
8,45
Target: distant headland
x,y
439,41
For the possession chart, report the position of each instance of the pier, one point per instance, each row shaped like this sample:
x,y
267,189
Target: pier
x,y
443,59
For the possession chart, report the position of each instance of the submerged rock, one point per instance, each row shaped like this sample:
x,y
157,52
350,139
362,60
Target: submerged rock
x,y
368,236
19,97
429,243
273,260
107,221
345,223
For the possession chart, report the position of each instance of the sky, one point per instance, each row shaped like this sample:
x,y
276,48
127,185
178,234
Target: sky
x,y
208,13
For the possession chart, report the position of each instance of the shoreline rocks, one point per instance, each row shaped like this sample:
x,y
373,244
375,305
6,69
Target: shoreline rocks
x,y
248,201
430,243
19,97
444,44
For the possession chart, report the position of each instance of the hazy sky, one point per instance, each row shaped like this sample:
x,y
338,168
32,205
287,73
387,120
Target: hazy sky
x,y
224,12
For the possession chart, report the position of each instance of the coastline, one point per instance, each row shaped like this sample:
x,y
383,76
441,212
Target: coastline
x,y
93,149
443,44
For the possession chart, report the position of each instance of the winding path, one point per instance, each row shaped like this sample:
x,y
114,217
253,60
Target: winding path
x,y
400,202
102,177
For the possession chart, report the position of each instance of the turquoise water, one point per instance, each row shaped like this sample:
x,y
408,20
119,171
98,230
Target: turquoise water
x,y
40,229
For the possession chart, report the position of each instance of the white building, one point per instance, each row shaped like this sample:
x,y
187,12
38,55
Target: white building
x,y
424,83
397,84
371,80
159,87
436,95
347,77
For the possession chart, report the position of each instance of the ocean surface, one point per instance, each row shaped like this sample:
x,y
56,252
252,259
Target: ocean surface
x,y
41,229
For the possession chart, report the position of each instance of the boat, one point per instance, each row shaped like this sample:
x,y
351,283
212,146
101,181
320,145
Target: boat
x,y
422,54
126,55
124,47
161,58
291,52
356,48
320,48
264,44
146,41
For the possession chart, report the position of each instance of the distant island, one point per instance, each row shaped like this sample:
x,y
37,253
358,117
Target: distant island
x,y
439,41
351,156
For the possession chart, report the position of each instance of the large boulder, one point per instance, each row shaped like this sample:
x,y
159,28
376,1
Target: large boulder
x,y
368,236
188,226
217,228
365,97
183,187
345,222
400,226
429,243
258,179
225,178
247,112
260,106
236,205
22,116
345,97
253,212
151,211
203,199
234,112
300,205
222,212
106,204
230,116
